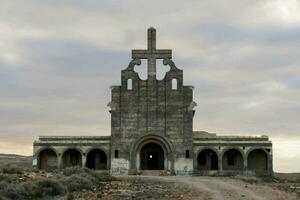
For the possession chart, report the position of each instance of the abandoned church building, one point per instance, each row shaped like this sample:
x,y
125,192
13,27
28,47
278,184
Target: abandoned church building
x,y
152,129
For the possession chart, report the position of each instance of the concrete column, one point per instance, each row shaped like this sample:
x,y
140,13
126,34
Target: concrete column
x,y
245,169
245,163
270,164
83,160
220,161
59,161
35,162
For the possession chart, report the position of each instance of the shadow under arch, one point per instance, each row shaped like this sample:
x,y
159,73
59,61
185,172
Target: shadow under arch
x,y
233,158
71,157
47,158
207,159
257,159
96,158
137,146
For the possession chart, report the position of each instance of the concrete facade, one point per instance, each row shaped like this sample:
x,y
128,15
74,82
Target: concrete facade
x,y
152,129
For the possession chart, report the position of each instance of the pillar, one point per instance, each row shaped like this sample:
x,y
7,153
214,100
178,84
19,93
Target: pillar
x,y
83,160
59,161
220,163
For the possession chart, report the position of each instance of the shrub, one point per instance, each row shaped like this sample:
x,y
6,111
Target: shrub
x,y
16,192
103,177
4,178
11,169
88,173
46,187
78,182
75,170
3,185
41,188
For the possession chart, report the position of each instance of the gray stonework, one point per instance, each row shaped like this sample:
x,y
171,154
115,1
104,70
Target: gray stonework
x,y
152,129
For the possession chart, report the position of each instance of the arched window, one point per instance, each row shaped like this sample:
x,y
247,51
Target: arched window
x,y
129,84
174,84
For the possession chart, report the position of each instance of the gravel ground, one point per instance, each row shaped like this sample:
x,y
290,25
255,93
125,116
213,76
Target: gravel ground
x,y
178,187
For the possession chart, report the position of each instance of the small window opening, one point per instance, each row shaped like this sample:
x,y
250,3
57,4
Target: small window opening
x,y
116,153
174,84
244,147
187,154
129,84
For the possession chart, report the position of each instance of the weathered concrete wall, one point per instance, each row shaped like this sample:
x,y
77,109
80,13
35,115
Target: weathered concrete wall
x,y
151,107
183,165
119,166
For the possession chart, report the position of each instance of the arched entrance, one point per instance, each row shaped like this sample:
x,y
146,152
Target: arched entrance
x,y
71,158
163,146
152,157
233,160
47,160
258,160
96,159
207,160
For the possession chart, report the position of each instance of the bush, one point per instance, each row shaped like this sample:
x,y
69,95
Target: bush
x,y
33,189
63,182
3,185
75,170
16,192
78,182
103,177
10,169
4,178
46,187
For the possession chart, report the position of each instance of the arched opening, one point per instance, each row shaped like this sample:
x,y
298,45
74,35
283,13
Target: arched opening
x,y
161,69
174,84
129,84
72,157
257,160
142,70
47,160
152,157
233,160
207,160
96,159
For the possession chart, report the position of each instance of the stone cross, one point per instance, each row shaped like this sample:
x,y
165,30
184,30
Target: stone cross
x,y
151,54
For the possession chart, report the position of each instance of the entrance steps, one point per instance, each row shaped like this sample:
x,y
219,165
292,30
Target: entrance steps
x,y
153,172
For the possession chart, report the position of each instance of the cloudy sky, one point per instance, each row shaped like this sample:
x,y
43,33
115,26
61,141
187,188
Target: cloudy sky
x,y
58,59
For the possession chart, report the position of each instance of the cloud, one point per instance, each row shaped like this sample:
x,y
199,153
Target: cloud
x,y
58,59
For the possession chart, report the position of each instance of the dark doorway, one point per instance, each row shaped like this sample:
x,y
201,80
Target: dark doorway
x,y
47,160
207,160
257,160
152,157
233,160
96,159
72,157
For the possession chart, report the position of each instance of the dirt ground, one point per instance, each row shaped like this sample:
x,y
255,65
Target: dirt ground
x,y
188,188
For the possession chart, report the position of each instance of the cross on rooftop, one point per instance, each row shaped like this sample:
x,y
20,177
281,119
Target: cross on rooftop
x,y
151,54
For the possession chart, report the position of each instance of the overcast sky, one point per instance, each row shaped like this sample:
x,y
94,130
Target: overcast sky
x,y
58,59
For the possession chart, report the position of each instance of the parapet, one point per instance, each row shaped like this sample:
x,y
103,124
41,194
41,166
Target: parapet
x,y
203,135
62,140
